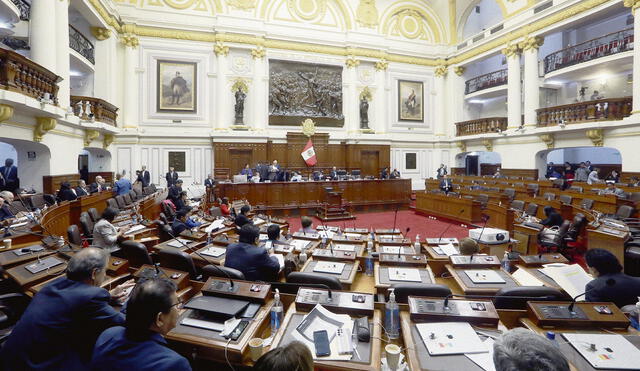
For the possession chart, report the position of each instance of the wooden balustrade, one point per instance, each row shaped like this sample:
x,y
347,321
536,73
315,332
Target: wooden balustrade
x,y
103,111
596,110
22,75
481,126
486,81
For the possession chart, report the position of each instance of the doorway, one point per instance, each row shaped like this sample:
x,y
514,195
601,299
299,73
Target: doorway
x,y
471,165
239,158
369,163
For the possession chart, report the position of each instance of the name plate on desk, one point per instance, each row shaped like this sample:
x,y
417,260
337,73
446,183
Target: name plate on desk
x,y
387,231
584,314
329,267
357,230
474,261
327,254
247,290
307,236
341,302
404,275
478,312
403,260
537,260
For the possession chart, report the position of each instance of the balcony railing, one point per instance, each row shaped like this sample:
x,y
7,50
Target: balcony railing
x,y
89,108
481,126
610,44
24,7
24,76
486,81
81,44
596,110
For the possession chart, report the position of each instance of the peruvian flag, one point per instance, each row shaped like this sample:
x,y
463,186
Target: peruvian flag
x,y
309,155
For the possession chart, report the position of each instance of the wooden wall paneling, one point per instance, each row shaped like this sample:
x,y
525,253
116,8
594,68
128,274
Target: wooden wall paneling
x,y
521,173
51,183
456,171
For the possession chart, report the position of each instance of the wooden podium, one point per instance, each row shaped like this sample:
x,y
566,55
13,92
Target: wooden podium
x,y
332,207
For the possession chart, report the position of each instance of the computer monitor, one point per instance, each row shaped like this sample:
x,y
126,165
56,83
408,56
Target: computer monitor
x,y
341,172
355,173
239,178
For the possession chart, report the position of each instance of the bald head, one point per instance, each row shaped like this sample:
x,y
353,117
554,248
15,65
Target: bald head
x,y
88,265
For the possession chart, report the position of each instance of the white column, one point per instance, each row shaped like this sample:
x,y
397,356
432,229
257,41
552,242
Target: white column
x,y
440,124
455,96
531,80
106,64
380,103
634,4
259,93
130,101
62,54
222,92
514,86
42,34
351,101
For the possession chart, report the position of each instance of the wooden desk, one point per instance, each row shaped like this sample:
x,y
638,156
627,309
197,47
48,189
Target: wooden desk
x,y
539,260
529,324
383,282
490,289
577,360
346,277
201,262
456,208
190,246
528,238
369,352
24,278
9,258
609,239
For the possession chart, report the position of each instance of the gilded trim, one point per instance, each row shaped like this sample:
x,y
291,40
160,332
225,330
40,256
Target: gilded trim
x,y
6,112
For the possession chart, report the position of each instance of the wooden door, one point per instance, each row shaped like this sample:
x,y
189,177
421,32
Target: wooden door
x,y
369,163
239,158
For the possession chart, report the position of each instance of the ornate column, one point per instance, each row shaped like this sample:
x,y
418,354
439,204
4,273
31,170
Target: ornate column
x,y
514,86
351,101
380,122
259,94
635,4
130,101
42,34
62,53
455,96
439,126
222,94
106,64
531,89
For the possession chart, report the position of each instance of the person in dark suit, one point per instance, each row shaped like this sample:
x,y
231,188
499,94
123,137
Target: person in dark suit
x,y
384,174
209,182
98,185
82,189
144,177
395,174
610,284
445,184
65,193
61,324
152,311
171,177
553,219
175,191
273,237
263,170
334,173
6,198
179,224
253,261
9,174
242,218
318,176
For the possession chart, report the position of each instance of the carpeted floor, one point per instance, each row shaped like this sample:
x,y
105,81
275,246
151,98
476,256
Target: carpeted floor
x,y
419,224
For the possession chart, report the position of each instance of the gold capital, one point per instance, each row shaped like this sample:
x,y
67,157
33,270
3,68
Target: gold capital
x,y
100,33
366,94
633,4
220,49
488,144
351,61
89,136
441,70
130,40
596,136
381,65
459,70
548,139
529,43
258,53
511,50
462,146
241,84
43,125
6,112
106,142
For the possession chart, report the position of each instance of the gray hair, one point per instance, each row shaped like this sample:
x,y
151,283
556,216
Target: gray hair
x,y
6,195
522,350
85,261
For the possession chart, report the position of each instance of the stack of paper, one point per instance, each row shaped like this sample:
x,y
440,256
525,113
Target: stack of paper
x,y
299,244
321,319
447,249
215,225
524,278
135,228
450,338
484,360
326,234
571,278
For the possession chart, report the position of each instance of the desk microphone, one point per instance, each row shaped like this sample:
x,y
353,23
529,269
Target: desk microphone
x,y
231,287
400,247
395,217
485,218
610,282
446,229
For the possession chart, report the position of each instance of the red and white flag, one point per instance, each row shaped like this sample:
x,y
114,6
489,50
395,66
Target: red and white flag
x,y
309,155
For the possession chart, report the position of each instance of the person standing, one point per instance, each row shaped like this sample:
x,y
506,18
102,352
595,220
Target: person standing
x,y
445,184
144,177
593,177
274,170
581,173
442,171
122,185
246,171
9,174
175,191
209,182
171,177
334,173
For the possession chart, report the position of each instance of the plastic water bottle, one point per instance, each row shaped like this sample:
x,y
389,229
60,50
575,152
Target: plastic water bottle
x,y
277,312
135,219
392,317
209,239
417,246
506,263
635,316
368,262
552,338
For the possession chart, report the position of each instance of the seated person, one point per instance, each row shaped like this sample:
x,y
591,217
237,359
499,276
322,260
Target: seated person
x,y
182,201
242,218
179,224
384,174
445,184
152,311
468,246
253,261
273,237
105,234
99,185
610,284
635,182
191,221
65,193
294,356
6,198
555,174
255,178
553,219
224,207
522,350
81,189
295,177
307,225
614,176
61,324
395,174
612,190
317,175
246,171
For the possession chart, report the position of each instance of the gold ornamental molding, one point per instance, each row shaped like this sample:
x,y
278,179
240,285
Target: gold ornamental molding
x,y
366,94
308,127
462,146
459,70
43,126
241,84
633,4
89,136
101,33
107,140
488,144
242,4
367,13
596,136
352,62
129,40
6,112
511,50
259,52
381,65
441,70
548,139
530,43
221,49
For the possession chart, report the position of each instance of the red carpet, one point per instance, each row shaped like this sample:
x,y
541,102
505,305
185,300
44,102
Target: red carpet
x,y
419,224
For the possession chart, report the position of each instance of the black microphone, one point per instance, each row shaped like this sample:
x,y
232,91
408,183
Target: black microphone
x,y
446,229
395,217
205,259
400,247
485,218
610,282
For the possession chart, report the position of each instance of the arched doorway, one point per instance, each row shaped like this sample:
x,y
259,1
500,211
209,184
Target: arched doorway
x,y
478,162
97,162
604,158
32,159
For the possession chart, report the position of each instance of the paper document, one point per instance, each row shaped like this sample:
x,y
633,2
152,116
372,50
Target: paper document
x,y
353,235
258,221
611,351
484,360
447,249
299,244
215,225
450,338
525,278
571,278
328,234
263,237
484,276
329,267
213,251
404,274
179,242
135,228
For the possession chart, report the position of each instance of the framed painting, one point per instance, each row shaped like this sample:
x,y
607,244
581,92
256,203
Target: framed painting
x,y
410,162
410,101
177,86
177,160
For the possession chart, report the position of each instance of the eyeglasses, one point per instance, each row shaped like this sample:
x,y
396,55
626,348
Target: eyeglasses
x,y
178,305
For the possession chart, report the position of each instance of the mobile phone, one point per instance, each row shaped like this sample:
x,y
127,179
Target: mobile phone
x,y
321,342
235,334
